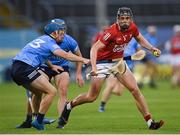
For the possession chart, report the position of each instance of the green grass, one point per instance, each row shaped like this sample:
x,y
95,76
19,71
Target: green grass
x,y
121,114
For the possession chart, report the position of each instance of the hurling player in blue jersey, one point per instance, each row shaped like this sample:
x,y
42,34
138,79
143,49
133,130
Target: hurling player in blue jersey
x,y
149,61
26,64
62,78
112,85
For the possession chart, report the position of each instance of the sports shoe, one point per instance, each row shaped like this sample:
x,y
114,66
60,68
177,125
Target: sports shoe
x,y
156,125
48,121
25,124
61,124
36,125
101,109
64,117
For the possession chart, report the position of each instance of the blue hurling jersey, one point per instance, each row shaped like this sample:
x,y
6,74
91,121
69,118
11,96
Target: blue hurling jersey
x,y
69,45
131,49
37,51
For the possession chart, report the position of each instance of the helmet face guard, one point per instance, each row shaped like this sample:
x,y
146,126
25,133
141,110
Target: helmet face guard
x,y
54,25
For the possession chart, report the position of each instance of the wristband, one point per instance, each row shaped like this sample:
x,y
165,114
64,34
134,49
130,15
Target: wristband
x,y
127,58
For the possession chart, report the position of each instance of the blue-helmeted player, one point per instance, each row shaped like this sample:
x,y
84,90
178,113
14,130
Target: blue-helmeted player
x,y
112,85
150,61
25,67
62,78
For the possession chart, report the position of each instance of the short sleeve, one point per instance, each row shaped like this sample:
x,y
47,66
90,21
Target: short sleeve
x,y
106,37
53,47
135,30
73,45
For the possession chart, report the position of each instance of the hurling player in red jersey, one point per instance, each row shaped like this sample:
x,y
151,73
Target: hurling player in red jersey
x,y
173,46
104,52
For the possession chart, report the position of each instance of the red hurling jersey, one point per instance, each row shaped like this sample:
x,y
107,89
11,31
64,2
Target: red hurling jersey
x,y
115,41
175,45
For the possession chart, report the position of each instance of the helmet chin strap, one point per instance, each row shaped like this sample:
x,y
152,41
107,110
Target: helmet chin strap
x,y
53,35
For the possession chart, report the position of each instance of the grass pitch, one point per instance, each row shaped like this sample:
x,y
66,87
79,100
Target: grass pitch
x,y
121,115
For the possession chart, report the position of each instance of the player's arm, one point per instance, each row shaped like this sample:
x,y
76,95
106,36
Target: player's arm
x,y
144,43
70,56
78,64
79,78
93,54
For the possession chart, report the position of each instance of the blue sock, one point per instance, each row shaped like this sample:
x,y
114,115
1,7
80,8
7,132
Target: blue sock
x,y
40,118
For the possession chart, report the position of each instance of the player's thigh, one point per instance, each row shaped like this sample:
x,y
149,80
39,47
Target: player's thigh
x,y
42,84
111,81
42,73
128,80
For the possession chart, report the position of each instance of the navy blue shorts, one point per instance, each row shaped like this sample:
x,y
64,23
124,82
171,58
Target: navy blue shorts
x,y
51,73
23,73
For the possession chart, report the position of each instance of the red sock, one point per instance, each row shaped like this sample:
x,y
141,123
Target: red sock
x,y
147,117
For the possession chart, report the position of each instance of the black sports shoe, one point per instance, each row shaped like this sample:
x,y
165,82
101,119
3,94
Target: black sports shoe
x,y
156,125
64,117
25,124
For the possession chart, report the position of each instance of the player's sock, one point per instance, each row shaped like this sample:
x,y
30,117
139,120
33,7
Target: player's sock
x,y
148,119
40,118
34,115
29,118
102,104
69,106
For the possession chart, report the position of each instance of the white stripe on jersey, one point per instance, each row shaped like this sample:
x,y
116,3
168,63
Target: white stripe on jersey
x,y
106,36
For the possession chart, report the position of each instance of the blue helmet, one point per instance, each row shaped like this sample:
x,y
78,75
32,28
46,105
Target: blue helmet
x,y
53,25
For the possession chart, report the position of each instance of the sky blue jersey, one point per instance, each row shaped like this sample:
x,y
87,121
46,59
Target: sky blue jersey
x,y
69,45
154,41
131,49
37,51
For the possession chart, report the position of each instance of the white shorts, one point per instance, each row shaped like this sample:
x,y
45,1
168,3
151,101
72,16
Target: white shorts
x,y
104,67
175,60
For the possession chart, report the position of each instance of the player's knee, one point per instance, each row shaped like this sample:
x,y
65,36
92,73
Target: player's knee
x,y
53,92
118,93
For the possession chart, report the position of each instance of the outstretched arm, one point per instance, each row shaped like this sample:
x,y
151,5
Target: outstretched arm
x,y
144,43
79,78
70,56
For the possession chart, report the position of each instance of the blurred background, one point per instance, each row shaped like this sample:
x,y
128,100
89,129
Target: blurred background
x,y
22,21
